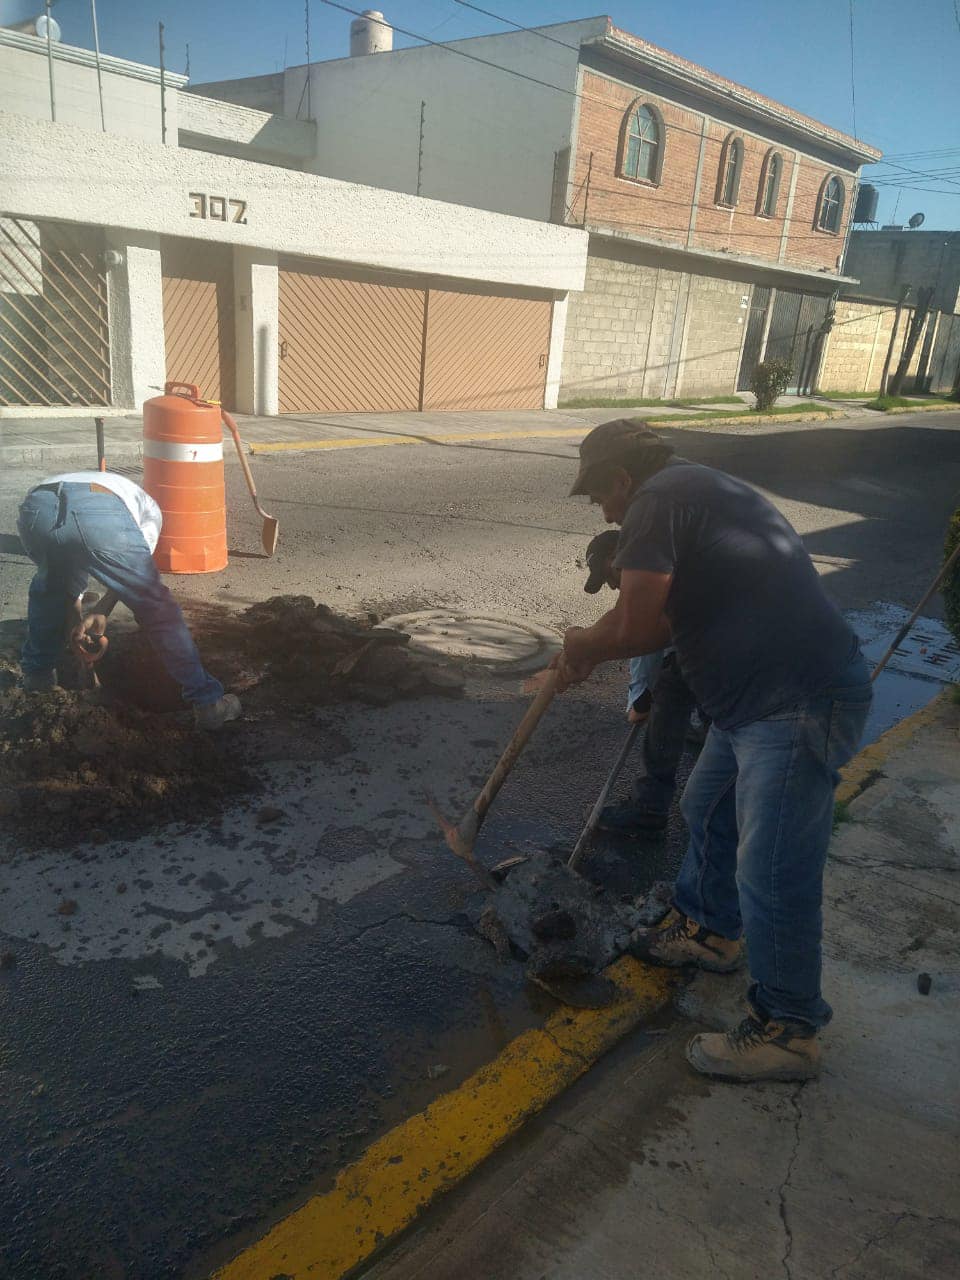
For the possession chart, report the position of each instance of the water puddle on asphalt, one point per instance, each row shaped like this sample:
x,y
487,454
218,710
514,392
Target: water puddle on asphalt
x,y
927,660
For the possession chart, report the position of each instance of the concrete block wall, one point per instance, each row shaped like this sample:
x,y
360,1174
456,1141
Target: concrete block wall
x,y
857,347
618,330
714,335
884,261
647,331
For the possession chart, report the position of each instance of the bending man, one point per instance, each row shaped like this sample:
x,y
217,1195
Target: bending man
x,y
101,525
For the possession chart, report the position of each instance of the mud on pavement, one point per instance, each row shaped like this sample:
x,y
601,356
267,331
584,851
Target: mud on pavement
x,y
81,764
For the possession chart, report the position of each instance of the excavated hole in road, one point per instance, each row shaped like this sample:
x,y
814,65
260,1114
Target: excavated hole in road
x,y
82,765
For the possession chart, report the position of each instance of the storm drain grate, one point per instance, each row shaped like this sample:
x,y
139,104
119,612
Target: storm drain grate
x,y
929,650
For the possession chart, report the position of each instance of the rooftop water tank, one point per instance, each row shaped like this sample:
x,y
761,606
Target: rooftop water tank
x,y
865,209
370,34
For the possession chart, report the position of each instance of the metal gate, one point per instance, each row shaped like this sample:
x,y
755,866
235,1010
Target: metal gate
x,y
792,320
54,330
485,351
349,341
198,317
753,339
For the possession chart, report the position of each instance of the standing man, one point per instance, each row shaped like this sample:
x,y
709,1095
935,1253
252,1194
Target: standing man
x,y
102,525
710,566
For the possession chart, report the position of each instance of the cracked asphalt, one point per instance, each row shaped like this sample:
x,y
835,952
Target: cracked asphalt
x,y
190,1058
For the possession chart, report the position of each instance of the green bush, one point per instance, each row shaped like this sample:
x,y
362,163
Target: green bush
x,y
951,584
769,381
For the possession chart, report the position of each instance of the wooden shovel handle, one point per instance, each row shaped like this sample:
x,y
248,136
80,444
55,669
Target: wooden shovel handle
x,y
516,744
248,474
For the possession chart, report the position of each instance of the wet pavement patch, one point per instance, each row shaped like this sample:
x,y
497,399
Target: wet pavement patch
x,y
925,660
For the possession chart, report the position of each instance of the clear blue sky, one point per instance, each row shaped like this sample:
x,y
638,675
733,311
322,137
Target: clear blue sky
x,y
907,57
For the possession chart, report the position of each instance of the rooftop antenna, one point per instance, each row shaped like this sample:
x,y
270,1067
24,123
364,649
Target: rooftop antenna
x,y
306,11
52,31
163,88
916,220
96,51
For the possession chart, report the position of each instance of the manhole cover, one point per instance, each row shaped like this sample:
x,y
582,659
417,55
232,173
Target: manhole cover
x,y
479,637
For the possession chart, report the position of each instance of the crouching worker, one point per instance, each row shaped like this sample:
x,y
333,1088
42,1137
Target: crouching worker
x,y
101,525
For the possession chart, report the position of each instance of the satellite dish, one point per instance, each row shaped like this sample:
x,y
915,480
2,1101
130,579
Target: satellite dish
x,y
916,221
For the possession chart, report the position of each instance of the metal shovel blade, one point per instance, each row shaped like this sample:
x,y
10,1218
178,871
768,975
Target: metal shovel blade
x,y
270,534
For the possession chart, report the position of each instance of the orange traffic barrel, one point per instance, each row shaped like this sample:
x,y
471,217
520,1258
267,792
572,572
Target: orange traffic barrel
x,y
183,473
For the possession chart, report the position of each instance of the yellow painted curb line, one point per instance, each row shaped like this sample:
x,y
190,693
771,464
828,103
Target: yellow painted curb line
x,y
370,442
869,762
398,1176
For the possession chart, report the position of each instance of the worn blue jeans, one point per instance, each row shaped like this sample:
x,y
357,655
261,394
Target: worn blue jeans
x,y
759,809
74,534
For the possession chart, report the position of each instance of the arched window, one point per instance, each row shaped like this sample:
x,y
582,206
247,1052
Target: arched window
x,y
830,212
769,185
731,166
641,152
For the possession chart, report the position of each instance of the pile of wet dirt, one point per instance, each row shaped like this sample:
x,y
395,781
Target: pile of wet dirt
x,y
82,764
564,928
286,653
73,770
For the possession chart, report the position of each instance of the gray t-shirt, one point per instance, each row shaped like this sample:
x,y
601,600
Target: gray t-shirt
x,y
752,625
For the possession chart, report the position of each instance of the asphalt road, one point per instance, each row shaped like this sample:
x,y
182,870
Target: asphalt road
x,y
196,1055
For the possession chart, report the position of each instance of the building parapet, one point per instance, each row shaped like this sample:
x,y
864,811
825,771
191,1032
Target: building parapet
x,y
213,119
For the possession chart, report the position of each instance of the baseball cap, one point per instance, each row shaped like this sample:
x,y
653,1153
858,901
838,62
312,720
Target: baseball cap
x,y
616,442
600,551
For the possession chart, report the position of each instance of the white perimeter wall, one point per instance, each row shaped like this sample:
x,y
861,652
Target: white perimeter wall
x,y
131,92
489,138
62,172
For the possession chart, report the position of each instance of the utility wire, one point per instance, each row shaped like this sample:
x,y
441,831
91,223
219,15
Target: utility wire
x,y
853,76
512,71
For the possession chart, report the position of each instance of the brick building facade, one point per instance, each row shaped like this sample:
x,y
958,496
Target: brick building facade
x,y
717,217
718,221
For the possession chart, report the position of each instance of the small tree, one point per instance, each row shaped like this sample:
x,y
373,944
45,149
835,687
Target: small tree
x,y
951,583
769,381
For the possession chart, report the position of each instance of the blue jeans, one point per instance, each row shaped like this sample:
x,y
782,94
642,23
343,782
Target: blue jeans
x,y
759,809
75,533
665,738
644,673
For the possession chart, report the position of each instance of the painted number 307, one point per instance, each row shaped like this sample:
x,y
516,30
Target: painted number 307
x,y
218,208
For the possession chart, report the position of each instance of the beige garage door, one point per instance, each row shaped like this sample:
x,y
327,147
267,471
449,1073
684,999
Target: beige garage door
x,y
485,351
348,342
198,319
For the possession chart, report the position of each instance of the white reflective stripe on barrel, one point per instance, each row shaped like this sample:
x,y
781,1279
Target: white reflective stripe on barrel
x,y
171,451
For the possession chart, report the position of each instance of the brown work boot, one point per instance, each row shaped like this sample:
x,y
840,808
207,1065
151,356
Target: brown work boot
x,y
677,940
757,1050
214,715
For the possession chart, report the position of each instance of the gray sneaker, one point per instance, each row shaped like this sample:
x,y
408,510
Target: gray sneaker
x,y
214,715
40,681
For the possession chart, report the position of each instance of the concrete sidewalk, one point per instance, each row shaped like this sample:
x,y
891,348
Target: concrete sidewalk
x,y
43,441
644,1168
